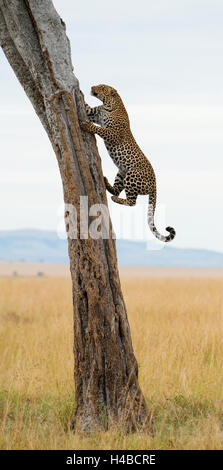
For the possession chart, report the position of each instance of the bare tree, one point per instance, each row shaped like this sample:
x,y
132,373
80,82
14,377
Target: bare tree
x,y
34,40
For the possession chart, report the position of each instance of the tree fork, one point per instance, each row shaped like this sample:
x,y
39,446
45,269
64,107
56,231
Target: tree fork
x,y
33,38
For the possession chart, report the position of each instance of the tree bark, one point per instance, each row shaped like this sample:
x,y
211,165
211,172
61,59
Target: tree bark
x,y
34,40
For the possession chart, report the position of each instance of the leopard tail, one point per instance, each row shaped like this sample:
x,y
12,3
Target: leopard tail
x,y
151,211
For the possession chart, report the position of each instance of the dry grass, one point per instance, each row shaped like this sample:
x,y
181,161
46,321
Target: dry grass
x,y
177,332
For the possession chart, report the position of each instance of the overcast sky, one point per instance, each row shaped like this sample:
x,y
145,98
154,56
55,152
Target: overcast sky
x,y
165,59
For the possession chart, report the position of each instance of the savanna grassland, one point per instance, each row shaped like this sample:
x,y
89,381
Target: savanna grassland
x,y
177,333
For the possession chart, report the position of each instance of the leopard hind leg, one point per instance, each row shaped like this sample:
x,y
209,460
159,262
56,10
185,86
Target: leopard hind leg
x,y
132,188
118,186
131,196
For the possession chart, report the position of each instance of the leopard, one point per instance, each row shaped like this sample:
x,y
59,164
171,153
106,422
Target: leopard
x,y
135,175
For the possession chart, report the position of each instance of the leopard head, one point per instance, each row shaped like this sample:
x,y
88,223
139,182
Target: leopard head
x,y
108,95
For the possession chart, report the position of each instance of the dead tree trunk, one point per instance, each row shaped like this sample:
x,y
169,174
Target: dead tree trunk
x,y
34,40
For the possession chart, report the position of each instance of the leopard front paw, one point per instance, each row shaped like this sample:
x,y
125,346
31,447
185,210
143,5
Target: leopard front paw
x,y
86,126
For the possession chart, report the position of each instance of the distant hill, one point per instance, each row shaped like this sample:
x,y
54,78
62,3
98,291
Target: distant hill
x,y
45,246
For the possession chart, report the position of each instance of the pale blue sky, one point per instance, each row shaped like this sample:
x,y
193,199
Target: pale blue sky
x,y
165,59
